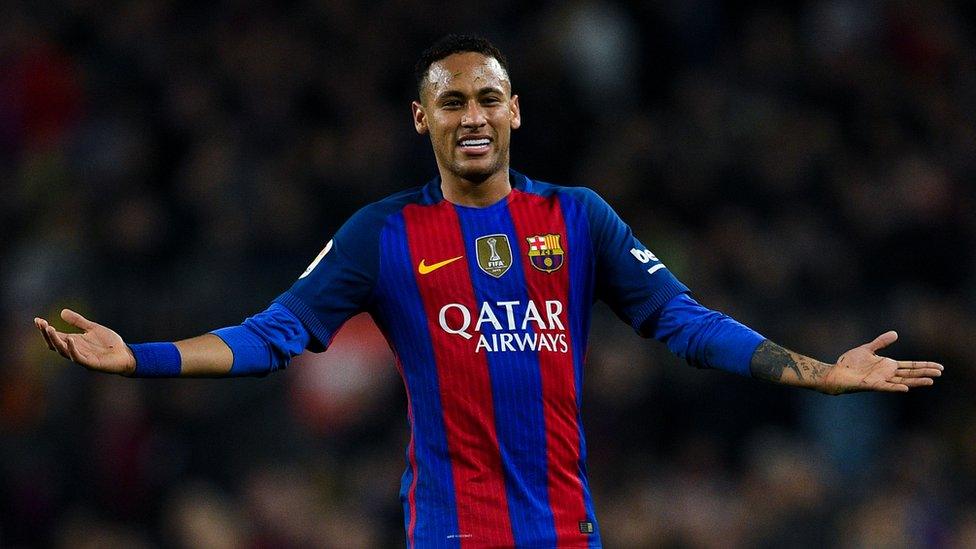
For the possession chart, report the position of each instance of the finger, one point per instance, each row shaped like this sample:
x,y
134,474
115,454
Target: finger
x,y
883,340
918,372
42,326
890,387
73,350
916,364
914,381
59,345
47,338
77,320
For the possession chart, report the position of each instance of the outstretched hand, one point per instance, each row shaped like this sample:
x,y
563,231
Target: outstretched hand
x,y
97,348
861,369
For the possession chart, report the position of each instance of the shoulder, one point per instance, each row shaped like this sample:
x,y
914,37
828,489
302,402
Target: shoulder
x,y
603,221
583,195
589,200
371,217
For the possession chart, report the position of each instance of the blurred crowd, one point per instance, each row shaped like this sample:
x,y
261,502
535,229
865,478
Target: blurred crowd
x,y
170,167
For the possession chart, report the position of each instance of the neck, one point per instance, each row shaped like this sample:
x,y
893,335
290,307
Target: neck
x,y
477,194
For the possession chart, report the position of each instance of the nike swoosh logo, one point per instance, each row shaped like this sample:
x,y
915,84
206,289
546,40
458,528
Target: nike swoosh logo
x,y
424,268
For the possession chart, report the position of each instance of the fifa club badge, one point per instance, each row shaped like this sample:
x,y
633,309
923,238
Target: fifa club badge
x,y
494,254
545,252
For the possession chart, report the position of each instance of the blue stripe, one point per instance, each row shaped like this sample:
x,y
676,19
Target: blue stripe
x,y
516,382
404,321
581,288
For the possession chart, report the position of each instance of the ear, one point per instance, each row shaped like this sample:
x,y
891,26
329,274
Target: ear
x,y
419,117
516,111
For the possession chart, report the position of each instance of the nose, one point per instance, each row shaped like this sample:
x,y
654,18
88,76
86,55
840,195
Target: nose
x,y
473,116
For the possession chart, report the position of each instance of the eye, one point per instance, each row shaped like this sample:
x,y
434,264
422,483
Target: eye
x,y
491,100
451,104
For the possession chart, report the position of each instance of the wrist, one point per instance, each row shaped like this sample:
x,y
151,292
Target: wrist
x,y
129,370
156,359
828,381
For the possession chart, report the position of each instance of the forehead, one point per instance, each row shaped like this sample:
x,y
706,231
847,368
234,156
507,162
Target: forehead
x,y
466,71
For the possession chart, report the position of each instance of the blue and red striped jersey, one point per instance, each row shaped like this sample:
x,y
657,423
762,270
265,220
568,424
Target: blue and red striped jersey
x,y
487,311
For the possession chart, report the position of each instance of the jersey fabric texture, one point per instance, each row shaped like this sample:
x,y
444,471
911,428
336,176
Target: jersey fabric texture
x,y
703,337
487,311
264,342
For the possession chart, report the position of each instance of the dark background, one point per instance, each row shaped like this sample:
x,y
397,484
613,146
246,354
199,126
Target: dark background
x,y
167,168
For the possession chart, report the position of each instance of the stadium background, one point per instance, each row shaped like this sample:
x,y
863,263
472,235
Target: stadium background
x,y
170,167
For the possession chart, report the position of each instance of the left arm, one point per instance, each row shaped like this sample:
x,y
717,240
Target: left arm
x,y
859,369
710,339
643,293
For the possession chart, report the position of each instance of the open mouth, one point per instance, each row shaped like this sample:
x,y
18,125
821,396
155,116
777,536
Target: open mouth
x,y
474,145
474,142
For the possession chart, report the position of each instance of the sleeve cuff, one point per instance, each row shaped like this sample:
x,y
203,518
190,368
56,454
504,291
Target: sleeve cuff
x,y
321,334
657,300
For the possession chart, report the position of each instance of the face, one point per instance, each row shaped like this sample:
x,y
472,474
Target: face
x,y
469,111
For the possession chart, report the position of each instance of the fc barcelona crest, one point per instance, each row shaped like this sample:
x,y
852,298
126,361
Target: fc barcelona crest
x,y
494,254
545,252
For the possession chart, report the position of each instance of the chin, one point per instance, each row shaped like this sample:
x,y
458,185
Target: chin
x,y
477,174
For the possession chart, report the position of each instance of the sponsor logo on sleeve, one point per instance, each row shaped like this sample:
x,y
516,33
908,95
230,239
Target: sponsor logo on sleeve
x,y
645,256
315,262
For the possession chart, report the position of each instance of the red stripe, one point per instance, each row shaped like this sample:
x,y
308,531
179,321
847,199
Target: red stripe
x,y
434,235
534,215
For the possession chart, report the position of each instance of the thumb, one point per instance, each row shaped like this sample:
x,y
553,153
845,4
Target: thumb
x,y
77,320
883,341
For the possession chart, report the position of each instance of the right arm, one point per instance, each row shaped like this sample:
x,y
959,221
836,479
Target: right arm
x,y
263,343
337,285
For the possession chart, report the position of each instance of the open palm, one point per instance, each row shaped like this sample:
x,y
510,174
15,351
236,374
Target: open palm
x,y
97,348
861,369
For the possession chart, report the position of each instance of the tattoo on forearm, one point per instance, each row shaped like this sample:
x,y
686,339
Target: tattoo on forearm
x,y
770,362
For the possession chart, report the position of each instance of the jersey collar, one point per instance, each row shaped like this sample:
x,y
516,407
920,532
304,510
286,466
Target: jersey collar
x,y
432,189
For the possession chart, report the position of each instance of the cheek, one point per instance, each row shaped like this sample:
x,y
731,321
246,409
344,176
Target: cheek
x,y
445,138
443,129
504,126
441,138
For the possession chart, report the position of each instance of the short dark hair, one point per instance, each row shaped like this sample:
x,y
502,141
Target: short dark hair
x,y
449,45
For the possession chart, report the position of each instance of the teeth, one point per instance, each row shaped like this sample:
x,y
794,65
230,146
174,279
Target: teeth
x,y
474,142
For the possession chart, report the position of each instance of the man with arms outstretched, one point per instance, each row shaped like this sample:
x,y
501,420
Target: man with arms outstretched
x,y
482,281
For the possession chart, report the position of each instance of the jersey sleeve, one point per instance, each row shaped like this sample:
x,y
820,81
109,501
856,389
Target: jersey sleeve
x,y
340,280
703,337
264,342
629,277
